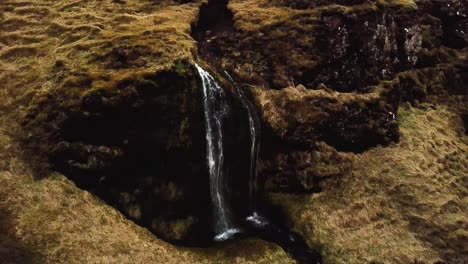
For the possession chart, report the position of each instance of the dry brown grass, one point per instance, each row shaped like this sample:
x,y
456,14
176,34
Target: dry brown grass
x,y
48,45
64,224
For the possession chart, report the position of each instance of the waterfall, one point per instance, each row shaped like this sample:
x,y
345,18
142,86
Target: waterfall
x,y
216,109
254,125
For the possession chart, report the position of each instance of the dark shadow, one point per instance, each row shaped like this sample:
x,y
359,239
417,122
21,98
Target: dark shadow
x,y
464,118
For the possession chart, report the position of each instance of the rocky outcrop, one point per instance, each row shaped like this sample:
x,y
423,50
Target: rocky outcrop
x,y
303,171
348,48
349,122
310,125
452,16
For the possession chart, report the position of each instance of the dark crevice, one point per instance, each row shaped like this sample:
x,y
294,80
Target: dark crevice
x,y
215,21
214,18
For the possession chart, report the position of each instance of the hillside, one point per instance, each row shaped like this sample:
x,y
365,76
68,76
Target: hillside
x,y
363,108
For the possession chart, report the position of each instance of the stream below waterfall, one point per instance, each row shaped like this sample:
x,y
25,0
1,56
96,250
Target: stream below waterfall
x,y
226,224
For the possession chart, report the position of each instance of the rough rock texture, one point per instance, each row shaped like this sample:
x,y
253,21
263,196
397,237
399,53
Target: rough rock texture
x,y
345,47
346,121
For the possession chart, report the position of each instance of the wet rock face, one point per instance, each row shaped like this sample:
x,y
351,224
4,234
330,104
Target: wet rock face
x,y
361,49
302,117
454,17
214,17
303,171
215,20
141,145
379,53
346,51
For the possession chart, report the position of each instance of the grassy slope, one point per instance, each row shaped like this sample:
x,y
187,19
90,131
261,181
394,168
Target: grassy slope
x,y
65,47
400,204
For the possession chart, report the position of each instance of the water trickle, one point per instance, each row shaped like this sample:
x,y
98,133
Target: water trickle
x,y
216,109
340,45
254,218
254,125
413,42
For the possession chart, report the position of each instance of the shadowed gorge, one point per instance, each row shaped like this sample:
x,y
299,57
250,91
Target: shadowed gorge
x,y
234,131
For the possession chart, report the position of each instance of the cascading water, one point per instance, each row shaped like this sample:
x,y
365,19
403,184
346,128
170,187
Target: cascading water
x,y
255,218
216,109
254,125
